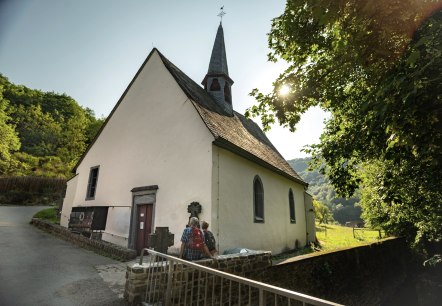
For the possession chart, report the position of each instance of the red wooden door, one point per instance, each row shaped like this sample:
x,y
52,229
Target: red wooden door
x,y
144,225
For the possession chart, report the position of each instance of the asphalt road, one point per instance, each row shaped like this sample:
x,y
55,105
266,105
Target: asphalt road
x,y
39,269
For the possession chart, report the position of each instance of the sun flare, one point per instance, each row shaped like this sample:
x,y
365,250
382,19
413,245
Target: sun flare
x,y
284,90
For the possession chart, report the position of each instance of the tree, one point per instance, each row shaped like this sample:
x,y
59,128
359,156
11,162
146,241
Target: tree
x,y
376,66
53,130
9,140
73,139
322,212
94,125
39,132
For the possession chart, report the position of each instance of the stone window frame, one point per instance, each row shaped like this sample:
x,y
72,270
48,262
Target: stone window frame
x,y
138,192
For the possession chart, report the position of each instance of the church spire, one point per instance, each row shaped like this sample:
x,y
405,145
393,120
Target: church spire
x,y
217,81
218,60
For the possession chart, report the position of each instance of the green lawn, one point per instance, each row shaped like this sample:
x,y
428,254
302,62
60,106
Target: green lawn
x,y
332,237
50,214
335,236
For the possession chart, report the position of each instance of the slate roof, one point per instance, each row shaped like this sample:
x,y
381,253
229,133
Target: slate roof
x,y
234,133
218,60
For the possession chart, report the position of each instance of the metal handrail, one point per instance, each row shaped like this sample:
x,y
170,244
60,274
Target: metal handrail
x,y
245,281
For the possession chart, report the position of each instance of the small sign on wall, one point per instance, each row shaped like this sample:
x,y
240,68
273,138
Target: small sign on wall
x,y
141,225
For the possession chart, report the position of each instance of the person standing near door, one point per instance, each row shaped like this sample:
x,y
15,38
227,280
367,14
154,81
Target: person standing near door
x,y
192,242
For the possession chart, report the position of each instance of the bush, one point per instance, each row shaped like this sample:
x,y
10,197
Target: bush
x,y
28,190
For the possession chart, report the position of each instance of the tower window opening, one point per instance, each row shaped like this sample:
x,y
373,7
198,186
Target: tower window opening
x,y
215,85
227,94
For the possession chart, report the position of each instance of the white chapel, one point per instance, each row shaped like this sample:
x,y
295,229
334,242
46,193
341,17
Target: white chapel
x,y
170,144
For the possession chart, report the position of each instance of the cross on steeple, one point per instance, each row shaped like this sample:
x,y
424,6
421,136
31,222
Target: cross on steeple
x,y
221,13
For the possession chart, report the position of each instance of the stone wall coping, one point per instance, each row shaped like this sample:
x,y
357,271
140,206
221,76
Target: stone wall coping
x,y
205,260
246,254
330,252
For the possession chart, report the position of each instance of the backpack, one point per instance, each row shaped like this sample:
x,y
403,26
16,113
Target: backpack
x,y
196,241
209,239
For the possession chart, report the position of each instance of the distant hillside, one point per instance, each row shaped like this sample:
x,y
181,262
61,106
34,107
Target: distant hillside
x,y
320,188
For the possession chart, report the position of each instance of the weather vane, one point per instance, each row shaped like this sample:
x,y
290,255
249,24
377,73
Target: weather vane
x,y
221,13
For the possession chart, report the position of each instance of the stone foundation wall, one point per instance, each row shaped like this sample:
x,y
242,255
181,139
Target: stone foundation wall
x,y
98,246
187,281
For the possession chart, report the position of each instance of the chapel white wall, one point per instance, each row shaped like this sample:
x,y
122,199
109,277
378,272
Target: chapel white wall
x,y
310,218
68,201
155,137
232,212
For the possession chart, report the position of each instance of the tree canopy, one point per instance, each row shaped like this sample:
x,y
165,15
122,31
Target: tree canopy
x,y
42,133
9,141
376,67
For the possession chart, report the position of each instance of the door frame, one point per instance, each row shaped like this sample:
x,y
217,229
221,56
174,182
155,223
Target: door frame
x,y
141,196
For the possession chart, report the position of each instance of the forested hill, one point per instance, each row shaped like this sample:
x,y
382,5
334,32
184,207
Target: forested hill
x,y
42,133
320,188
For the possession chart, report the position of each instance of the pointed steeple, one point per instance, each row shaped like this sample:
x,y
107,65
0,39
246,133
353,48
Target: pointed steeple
x,y
217,81
218,60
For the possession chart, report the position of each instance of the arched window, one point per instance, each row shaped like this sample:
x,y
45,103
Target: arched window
x,y
258,200
292,207
215,85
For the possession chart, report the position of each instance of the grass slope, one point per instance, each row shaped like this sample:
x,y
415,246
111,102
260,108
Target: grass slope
x,y
333,237
50,214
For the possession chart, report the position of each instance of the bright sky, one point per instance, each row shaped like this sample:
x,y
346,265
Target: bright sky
x,y
91,50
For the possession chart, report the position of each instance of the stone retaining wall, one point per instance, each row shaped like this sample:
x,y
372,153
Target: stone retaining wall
x,y
185,278
364,275
98,246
